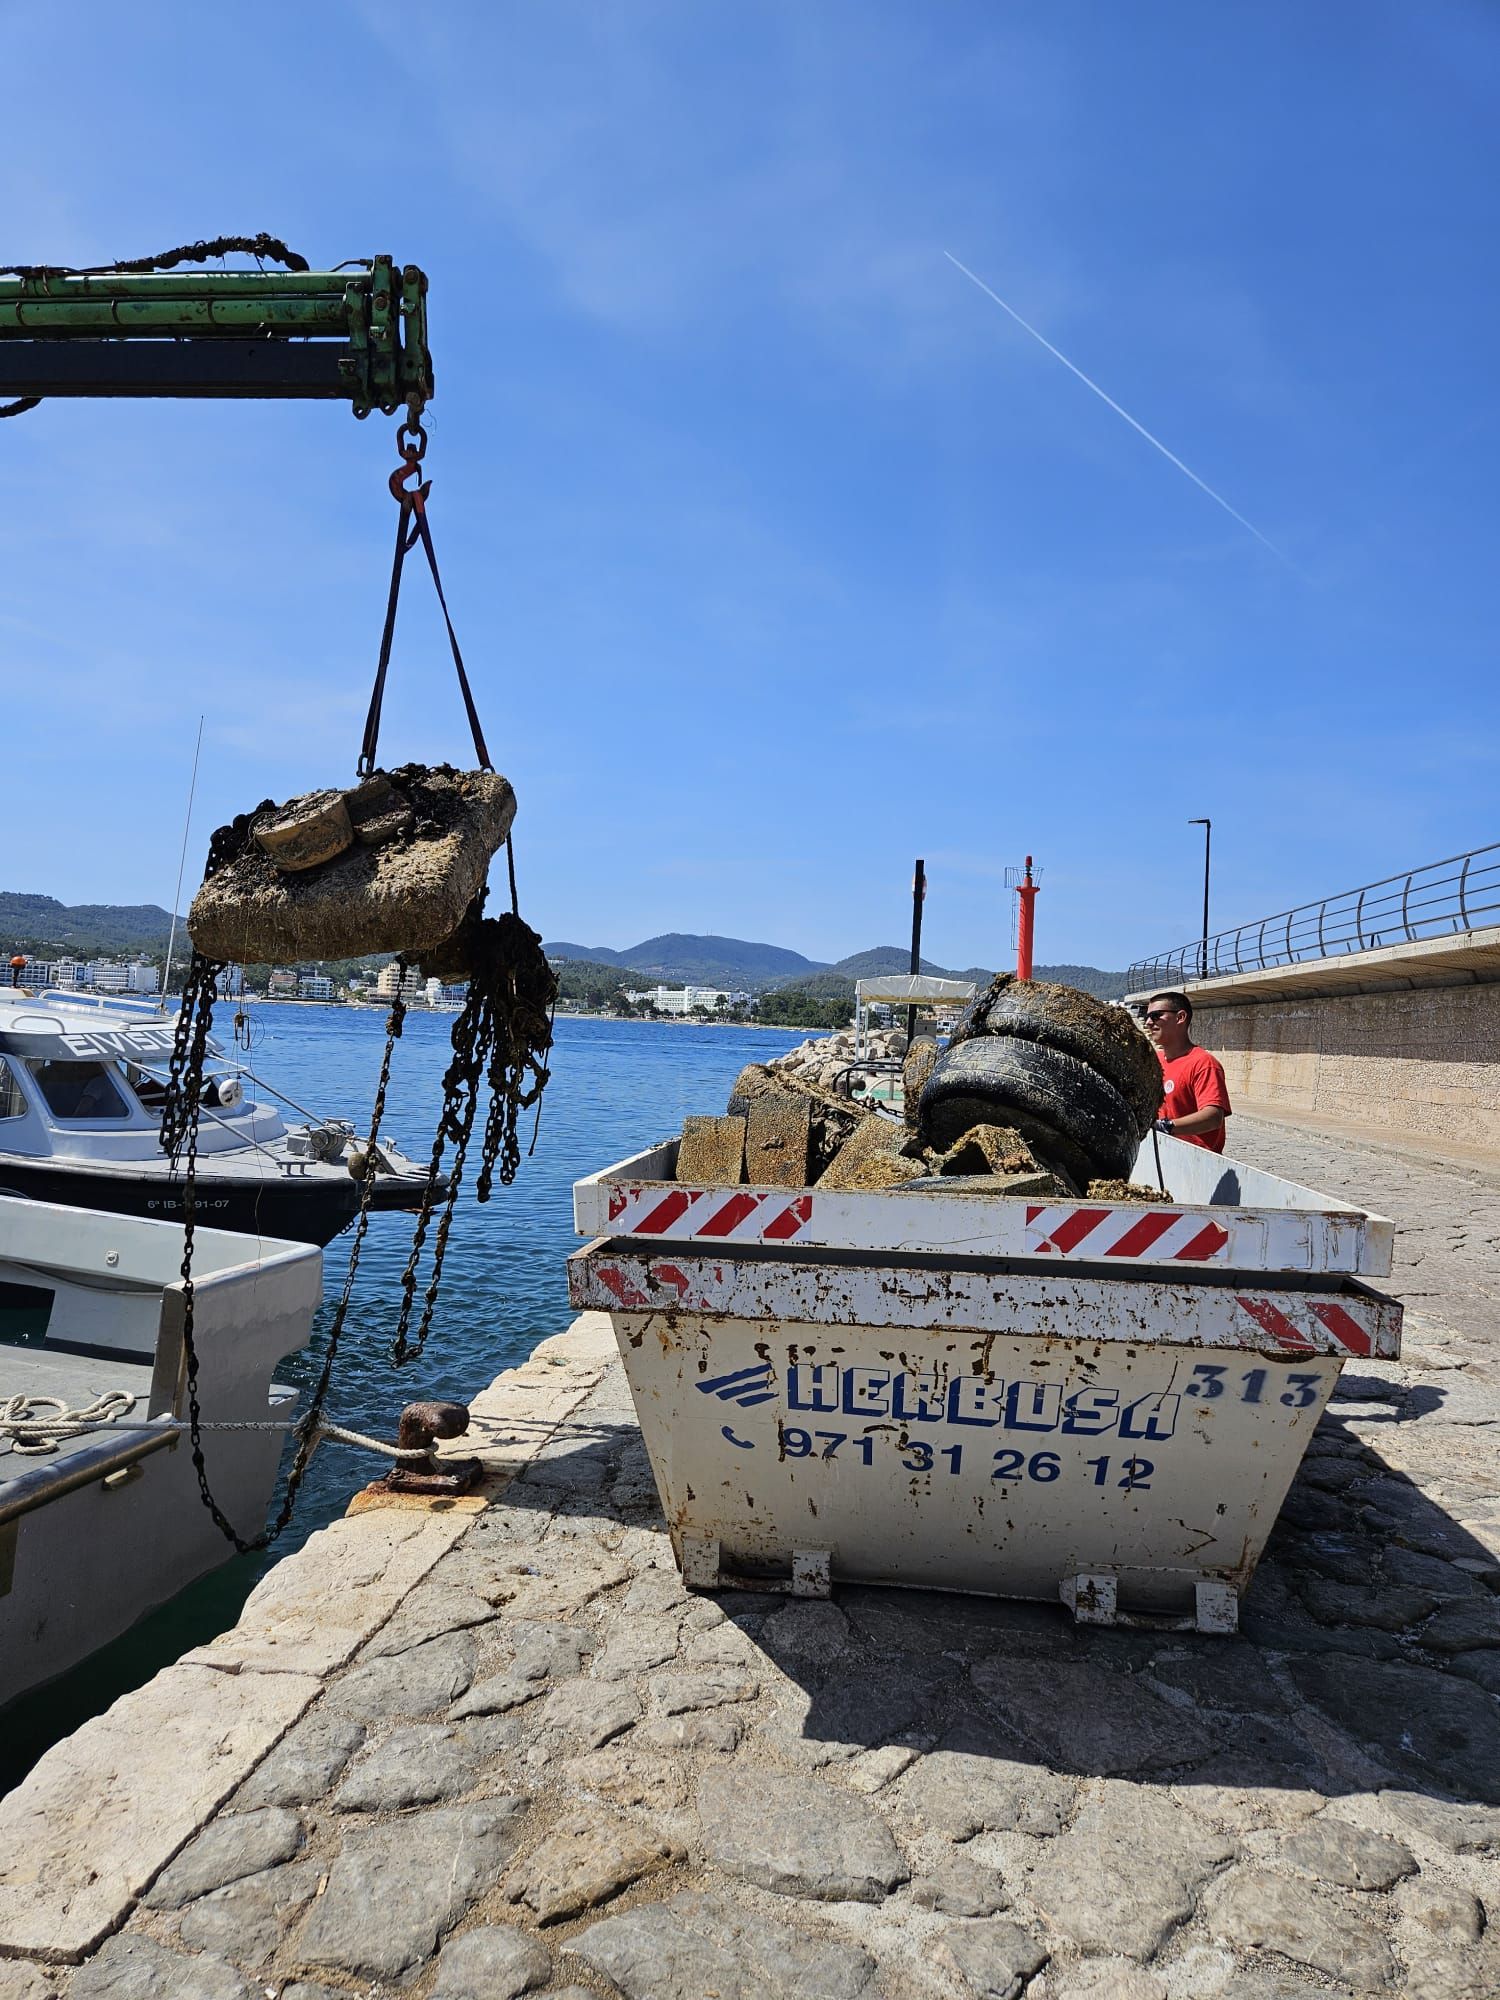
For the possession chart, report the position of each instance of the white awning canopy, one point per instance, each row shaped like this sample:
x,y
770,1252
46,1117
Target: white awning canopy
x,y
908,989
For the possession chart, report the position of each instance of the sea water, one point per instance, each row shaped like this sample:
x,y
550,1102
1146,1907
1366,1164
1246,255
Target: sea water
x,y
616,1087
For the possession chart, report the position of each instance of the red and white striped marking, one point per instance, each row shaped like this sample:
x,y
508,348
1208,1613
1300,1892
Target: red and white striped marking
x,y
1278,1321
1115,1235
721,1215
669,1287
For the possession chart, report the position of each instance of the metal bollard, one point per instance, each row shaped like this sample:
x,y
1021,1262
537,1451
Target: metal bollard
x,y
422,1424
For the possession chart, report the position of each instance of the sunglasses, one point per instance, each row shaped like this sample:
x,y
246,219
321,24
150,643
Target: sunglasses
x,y
1163,1014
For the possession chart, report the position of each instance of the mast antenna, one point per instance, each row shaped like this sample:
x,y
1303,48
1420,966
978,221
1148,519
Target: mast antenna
x,y
166,977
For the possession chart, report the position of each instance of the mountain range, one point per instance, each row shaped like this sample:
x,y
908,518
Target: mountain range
x,y
675,958
679,958
83,928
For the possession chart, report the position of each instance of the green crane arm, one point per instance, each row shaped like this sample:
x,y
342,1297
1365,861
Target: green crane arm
x,y
357,335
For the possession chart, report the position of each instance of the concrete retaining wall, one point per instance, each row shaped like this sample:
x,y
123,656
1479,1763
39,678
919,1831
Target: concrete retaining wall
x,y
1419,1061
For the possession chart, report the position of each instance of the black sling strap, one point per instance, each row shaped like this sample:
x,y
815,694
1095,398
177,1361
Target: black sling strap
x,y
415,505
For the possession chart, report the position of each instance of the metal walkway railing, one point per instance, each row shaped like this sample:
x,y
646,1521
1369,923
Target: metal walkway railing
x,y
1439,900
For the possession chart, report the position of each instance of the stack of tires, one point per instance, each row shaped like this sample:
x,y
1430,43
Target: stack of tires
x,y
1074,1076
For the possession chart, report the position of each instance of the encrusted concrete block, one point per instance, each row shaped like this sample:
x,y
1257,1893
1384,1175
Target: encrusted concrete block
x,y
754,1080
403,896
871,1158
712,1153
778,1139
915,1071
989,1149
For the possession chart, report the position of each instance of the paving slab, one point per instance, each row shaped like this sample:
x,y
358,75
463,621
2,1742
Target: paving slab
x,y
695,1945
394,1890
311,1612
1127,1872
247,1919
494,1962
797,1836
238,1844
1264,1911
136,1968
584,1859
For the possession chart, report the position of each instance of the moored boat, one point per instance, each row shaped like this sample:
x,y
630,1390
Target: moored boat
x,y
98,1527
82,1083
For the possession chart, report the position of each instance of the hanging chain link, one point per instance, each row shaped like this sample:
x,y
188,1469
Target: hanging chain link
x,y
180,1119
500,1041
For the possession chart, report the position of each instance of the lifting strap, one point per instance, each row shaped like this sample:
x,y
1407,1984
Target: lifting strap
x,y
413,504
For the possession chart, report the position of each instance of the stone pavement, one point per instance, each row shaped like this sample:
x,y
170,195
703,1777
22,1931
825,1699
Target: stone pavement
x,y
489,1753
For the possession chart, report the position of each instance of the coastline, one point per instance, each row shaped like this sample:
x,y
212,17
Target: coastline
x,y
621,1020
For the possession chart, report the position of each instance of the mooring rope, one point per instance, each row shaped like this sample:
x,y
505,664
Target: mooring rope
x,y
32,1434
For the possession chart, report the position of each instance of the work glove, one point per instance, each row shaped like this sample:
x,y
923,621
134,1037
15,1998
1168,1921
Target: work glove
x,y
1164,1125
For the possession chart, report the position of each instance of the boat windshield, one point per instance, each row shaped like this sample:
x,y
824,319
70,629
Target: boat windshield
x,y
79,1090
151,1090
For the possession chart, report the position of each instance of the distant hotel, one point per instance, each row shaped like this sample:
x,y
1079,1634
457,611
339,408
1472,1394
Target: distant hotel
x,y
417,991
687,999
100,975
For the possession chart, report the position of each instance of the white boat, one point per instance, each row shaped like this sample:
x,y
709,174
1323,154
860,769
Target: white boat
x,y
109,1523
81,1087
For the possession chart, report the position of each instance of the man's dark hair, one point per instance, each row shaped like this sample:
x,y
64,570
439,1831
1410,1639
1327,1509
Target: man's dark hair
x,y
1178,1002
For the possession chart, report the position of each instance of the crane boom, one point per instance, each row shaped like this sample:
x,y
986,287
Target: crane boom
x,y
357,335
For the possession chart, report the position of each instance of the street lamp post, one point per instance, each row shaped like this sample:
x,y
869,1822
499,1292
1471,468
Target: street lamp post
x,y
1208,828
918,897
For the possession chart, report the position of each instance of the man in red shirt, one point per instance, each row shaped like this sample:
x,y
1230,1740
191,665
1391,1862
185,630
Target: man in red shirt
x,y
1195,1097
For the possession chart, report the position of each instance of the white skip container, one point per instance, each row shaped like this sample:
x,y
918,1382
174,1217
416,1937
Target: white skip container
x,y
1103,1402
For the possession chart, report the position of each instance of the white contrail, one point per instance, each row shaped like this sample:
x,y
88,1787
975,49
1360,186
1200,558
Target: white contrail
x,y
1089,383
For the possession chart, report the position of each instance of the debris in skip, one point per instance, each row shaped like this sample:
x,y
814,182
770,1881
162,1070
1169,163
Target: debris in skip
x,y
1042,1090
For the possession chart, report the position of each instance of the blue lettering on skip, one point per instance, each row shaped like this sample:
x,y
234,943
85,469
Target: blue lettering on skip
x,y
813,1386
909,1396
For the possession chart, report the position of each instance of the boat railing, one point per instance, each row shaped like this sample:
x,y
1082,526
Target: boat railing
x,y
80,996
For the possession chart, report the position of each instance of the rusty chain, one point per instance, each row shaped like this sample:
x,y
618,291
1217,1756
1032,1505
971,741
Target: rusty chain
x,y
500,1040
180,1119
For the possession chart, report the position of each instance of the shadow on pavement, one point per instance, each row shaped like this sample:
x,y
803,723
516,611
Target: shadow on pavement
x,y
1368,1657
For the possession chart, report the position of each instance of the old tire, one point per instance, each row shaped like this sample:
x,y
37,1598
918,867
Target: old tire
x,y
1104,1037
1046,1093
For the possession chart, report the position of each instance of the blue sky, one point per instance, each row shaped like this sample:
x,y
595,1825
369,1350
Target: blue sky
x,y
779,554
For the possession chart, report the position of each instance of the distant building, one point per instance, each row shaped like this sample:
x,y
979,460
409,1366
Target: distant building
x,y
686,999
38,972
282,984
441,993
106,976
411,985
315,986
143,976
67,972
